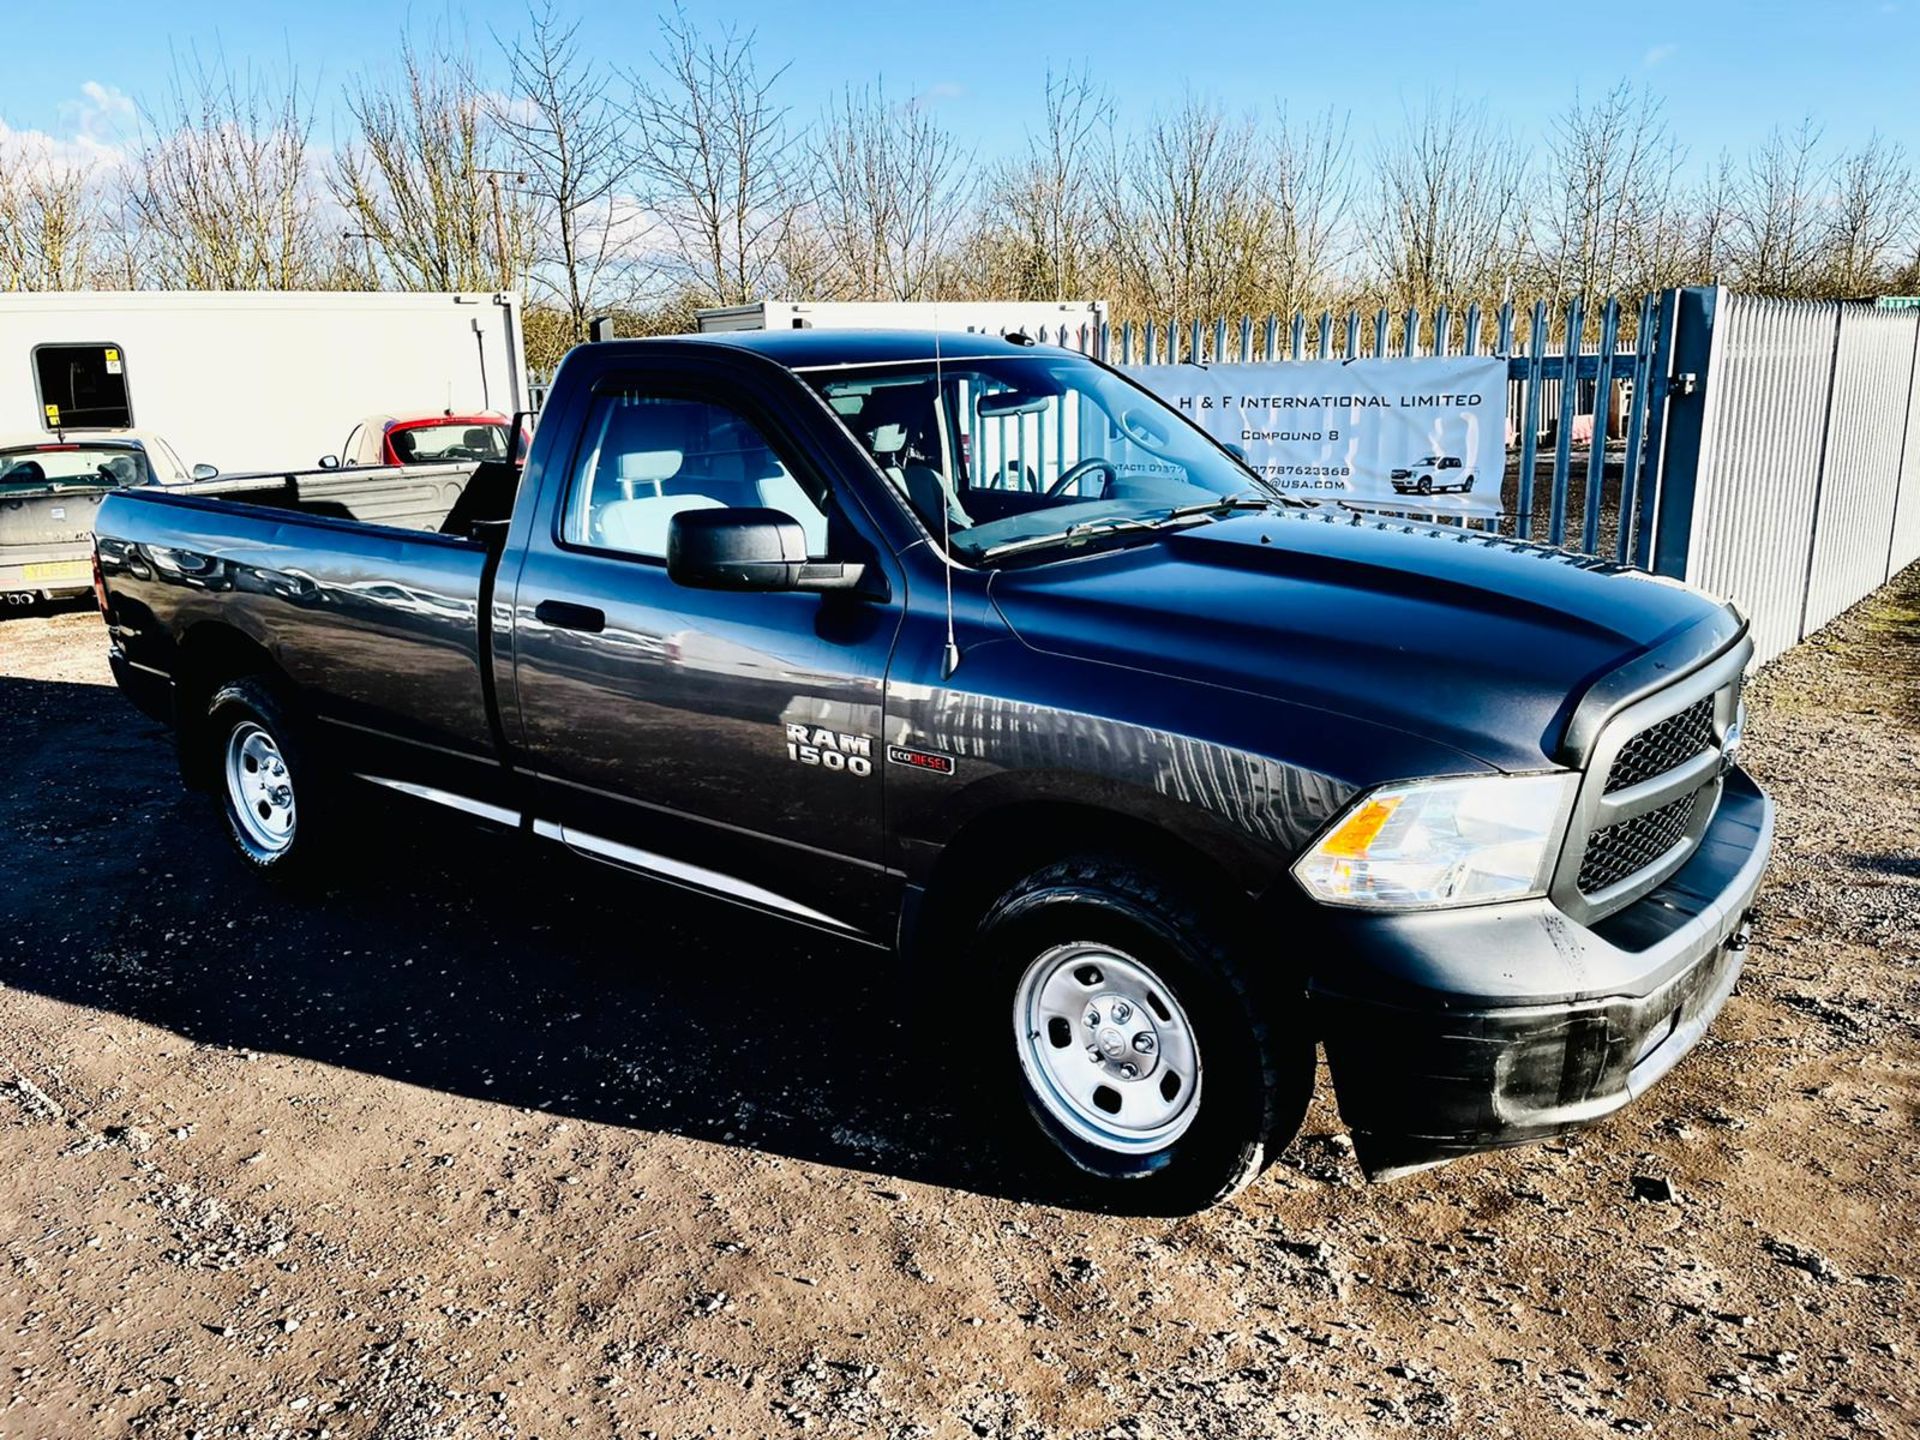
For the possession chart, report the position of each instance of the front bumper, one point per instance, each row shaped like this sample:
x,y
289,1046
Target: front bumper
x,y
1454,1031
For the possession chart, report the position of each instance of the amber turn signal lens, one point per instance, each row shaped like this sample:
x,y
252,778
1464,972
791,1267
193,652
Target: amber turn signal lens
x,y
1358,830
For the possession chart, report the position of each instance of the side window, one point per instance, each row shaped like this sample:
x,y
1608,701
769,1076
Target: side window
x,y
82,387
647,458
347,456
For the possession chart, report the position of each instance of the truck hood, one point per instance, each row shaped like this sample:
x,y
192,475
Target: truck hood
x,y
1480,643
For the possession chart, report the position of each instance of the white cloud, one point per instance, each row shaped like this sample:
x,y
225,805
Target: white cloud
x,y
95,130
935,93
1658,55
103,115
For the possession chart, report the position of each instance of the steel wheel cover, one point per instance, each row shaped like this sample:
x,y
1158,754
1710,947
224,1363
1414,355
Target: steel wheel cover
x,y
259,790
1107,1048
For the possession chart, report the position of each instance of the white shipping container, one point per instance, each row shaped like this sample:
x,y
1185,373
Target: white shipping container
x,y
263,380
988,317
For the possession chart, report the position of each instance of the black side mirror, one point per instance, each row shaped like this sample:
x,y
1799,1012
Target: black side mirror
x,y
329,462
747,548
521,436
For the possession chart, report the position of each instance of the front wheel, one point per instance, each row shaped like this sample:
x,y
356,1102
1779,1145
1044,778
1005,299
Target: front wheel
x,y
270,786
1143,1054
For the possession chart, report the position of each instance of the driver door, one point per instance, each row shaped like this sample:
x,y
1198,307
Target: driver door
x,y
723,741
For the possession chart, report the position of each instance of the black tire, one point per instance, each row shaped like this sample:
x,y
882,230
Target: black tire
x,y
1467,489
252,706
1425,487
1256,1056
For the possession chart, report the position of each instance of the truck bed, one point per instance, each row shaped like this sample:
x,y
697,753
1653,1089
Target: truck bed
x,y
343,579
45,532
416,497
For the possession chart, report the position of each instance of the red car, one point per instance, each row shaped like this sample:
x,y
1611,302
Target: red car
x,y
444,439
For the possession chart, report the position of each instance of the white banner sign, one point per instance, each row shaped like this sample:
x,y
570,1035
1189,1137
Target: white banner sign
x,y
1417,434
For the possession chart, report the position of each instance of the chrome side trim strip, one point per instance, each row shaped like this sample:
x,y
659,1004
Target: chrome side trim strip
x,y
697,877
707,820
499,814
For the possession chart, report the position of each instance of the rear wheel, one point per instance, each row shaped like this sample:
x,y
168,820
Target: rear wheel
x,y
272,789
1146,1060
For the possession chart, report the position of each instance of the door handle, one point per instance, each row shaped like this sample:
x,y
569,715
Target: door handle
x,y
564,615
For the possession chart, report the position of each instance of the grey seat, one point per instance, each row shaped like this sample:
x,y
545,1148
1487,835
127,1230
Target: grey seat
x,y
640,524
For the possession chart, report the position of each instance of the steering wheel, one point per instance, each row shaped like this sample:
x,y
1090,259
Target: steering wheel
x,y
1085,467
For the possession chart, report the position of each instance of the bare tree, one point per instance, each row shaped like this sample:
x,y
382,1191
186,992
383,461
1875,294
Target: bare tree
x,y
223,188
1708,216
1039,236
123,250
421,180
1872,212
802,261
1608,221
1451,221
891,192
1778,228
570,139
1312,193
1187,207
49,221
714,144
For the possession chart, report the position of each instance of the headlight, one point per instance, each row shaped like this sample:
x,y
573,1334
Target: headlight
x,y
1442,842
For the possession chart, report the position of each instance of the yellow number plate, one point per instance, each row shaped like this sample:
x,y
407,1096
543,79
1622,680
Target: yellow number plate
x,y
60,570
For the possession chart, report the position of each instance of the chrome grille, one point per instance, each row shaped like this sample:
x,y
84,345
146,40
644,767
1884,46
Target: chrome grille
x,y
1662,746
1615,852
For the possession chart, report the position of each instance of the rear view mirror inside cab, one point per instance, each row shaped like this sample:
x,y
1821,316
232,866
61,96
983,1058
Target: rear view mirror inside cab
x,y
1014,402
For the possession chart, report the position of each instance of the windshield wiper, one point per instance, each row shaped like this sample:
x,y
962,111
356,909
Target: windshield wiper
x,y
1087,529
1221,506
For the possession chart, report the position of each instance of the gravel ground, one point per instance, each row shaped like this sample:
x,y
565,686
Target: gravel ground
x,y
482,1147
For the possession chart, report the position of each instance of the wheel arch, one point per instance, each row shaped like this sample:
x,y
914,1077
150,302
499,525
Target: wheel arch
x,y
995,848
210,655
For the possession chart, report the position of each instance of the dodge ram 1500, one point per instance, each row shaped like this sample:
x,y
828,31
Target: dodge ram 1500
x,y
1156,778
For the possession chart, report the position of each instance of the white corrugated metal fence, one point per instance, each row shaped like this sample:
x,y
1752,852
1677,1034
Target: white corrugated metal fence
x,y
1807,488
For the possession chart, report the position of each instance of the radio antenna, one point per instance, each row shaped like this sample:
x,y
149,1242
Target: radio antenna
x,y
951,661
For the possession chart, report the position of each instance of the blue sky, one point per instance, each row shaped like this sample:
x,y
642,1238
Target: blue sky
x,y
1726,71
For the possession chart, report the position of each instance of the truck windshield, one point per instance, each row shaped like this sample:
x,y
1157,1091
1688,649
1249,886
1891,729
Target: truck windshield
x,y
34,465
1015,452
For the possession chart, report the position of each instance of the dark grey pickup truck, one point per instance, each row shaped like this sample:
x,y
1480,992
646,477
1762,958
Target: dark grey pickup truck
x,y
975,652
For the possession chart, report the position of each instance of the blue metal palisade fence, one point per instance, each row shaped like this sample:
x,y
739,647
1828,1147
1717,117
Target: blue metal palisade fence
x,y
1611,353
